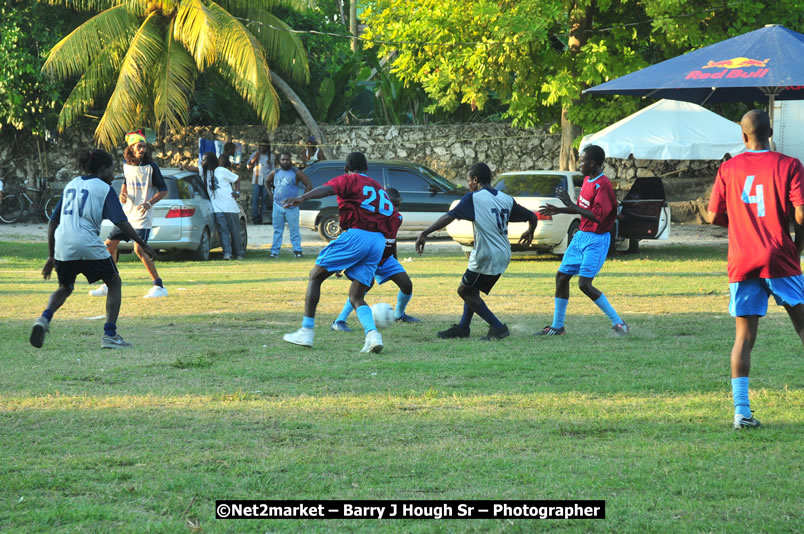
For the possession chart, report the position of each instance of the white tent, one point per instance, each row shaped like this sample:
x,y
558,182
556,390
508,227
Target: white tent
x,y
670,129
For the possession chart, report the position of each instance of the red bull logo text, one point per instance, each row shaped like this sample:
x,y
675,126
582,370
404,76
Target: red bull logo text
x,y
731,68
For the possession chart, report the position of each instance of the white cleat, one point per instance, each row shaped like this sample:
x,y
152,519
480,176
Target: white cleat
x,y
373,342
302,336
155,292
101,291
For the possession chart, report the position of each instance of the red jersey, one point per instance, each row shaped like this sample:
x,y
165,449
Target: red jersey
x,y
597,195
757,190
364,204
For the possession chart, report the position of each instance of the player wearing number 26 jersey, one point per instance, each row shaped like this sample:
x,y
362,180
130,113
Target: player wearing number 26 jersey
x,y
368,218
755,195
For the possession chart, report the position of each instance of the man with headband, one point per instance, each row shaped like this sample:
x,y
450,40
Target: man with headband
x,y
143,187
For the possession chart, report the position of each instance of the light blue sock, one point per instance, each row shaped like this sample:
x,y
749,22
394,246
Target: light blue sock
x,y
346,311
308,322
401,303
739,391
603,303
366,318
559,312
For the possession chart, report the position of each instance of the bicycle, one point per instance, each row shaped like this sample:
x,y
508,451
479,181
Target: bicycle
x,y
12,208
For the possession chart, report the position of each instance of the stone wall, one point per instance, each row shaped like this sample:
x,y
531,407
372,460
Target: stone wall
x,y
447,149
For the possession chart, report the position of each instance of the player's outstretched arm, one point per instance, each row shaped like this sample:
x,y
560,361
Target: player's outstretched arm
x,y
319,192
442,221
132,234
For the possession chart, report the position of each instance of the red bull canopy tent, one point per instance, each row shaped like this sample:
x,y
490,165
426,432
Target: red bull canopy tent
x,y
763,64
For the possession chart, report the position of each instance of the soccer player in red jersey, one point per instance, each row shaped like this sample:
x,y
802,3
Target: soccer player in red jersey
x,y
597,206
754,196
368,218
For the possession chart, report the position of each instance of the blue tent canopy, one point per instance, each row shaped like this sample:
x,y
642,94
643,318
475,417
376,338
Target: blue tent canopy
x,y
764,63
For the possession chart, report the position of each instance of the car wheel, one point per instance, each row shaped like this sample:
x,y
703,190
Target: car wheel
x,y
573,229
330,227
202,252
243,234
633,245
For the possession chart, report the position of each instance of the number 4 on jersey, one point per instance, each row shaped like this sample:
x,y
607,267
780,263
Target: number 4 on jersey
x,y
757,199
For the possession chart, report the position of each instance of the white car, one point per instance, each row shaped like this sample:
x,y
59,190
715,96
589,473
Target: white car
x,y
644,213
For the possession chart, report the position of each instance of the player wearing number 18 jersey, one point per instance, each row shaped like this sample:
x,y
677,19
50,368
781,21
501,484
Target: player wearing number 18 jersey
x,y
754,196
368,218
490,211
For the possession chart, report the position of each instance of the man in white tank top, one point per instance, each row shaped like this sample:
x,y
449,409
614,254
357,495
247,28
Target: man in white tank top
x,y
143,187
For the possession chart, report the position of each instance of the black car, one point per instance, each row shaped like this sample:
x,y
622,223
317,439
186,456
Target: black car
x,y
425,194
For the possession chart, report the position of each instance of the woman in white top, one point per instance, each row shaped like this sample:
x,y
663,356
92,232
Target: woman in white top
x,y
219,182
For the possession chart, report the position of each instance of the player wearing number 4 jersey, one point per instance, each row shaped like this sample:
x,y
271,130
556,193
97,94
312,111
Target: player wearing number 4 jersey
x,y
368,218
754,196
490,211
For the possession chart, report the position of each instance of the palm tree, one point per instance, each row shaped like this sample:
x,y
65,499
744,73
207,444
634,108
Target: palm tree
x,y
148,53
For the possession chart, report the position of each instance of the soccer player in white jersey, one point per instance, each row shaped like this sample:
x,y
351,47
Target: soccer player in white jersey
x,y
74,246
143,187
490,211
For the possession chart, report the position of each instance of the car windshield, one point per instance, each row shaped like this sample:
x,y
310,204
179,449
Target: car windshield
x,y
531,185
440,180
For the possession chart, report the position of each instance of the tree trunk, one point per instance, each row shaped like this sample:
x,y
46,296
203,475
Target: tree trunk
x,y
353,24
343,16
304,113
568,157
580,25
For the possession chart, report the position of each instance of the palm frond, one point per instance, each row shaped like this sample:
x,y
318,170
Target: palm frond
x,y
132,90
97,80
244,8
174,83
193,28
242,62
82,5
284,48
76,52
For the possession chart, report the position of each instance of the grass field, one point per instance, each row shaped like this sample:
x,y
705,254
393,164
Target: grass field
x,y
212,404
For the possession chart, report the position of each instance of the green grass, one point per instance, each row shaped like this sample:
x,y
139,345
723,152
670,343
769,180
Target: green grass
x,y
211,404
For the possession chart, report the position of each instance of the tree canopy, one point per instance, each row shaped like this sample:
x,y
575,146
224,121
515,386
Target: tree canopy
x,y
538,55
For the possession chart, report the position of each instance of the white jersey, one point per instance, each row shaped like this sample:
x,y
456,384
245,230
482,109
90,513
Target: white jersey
x,y
85,202
262,167
221,196
142,183
489,210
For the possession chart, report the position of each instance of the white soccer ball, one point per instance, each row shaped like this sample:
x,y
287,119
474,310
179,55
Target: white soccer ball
x,y
383,314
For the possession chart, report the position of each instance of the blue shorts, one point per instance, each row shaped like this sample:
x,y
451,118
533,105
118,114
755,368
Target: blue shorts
x,y
388,269
750,297
586,253
117,235
356,252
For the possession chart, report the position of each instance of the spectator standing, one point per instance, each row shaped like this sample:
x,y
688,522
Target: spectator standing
x,y
312,152
285,184
219,180
260,163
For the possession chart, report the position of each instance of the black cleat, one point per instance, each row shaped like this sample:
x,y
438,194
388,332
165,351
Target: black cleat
x,y
453,331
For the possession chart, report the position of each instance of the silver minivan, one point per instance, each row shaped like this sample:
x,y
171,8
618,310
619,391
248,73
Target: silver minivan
x,y
183,220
